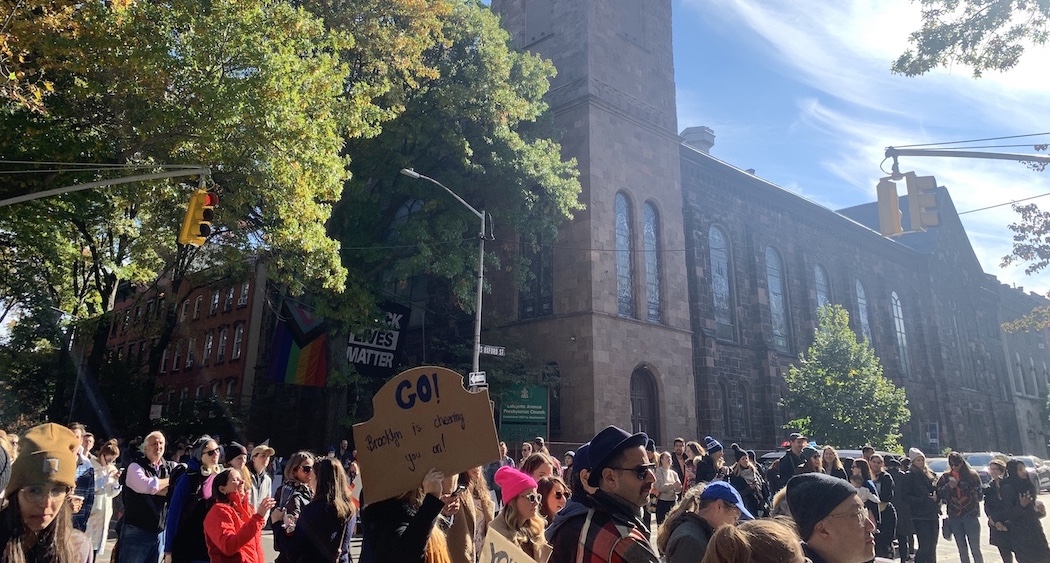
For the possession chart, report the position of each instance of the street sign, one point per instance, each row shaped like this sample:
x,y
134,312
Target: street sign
x,y
476,379
493,350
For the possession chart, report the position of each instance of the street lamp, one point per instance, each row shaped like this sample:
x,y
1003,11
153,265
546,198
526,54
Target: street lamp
x,y
475,367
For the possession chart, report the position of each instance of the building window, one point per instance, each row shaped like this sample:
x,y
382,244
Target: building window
x,y
624,258
189,353
131,353
185,310
820,282
862,314
164,361
200,393
221,353
745,410
721,284
149,309
127,319
229,299
214,302
651,246
215,388
185,394
1046,379
229,389
178,356
777,299
243,300
644,415
197,306
727,410
1018,375
209,341
1031,375
902,337
536,298
238,336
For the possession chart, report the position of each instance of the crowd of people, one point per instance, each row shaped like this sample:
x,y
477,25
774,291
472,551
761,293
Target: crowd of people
x,y
205,500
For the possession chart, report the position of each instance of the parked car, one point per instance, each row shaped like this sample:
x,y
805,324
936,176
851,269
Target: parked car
x,y
1038,471
937,464
979,461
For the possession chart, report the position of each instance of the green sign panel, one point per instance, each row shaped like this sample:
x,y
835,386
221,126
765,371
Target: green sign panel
x,y
524,404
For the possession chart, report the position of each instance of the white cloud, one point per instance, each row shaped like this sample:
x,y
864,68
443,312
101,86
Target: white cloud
x,y
843,51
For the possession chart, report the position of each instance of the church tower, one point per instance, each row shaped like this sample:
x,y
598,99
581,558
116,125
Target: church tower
x,y
617,324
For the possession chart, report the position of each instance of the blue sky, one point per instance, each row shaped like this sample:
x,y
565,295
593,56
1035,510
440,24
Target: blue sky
x,y
802,92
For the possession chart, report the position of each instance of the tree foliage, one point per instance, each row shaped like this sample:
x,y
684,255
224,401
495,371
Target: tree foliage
x,y
837,392
480,127
981,34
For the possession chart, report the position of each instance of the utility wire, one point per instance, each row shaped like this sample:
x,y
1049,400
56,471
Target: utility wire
x,y
972,140
1002,204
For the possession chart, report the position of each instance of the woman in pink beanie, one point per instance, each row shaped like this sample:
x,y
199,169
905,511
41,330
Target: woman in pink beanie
x,y
519,521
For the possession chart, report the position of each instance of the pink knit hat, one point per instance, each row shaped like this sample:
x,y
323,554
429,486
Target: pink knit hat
x,y
513,482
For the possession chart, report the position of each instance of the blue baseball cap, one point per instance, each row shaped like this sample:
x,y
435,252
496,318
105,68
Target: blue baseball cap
x,y
720,490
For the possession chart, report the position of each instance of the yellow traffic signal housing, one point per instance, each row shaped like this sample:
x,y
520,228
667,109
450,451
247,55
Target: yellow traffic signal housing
x,y
889,208
196,225
922,201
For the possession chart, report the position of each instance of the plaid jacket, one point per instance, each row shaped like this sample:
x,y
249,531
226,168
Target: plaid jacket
x,y
609,532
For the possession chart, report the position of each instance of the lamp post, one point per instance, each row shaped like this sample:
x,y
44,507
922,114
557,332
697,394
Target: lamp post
x,y
481,261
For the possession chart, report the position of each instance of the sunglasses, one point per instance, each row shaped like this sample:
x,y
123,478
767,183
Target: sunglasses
x,y
532,497
641,471
560,495
306,468
212,452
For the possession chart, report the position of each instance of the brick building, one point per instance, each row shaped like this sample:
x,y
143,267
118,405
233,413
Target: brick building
x,y
214,349
696,342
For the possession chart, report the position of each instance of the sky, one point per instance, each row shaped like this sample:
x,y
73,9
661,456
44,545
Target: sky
x,y
802,92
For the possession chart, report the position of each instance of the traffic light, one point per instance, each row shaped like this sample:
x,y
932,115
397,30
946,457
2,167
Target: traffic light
x,y
922,201
889,208
196,226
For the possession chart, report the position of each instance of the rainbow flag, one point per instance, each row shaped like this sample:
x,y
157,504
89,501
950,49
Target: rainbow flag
x,y
299,352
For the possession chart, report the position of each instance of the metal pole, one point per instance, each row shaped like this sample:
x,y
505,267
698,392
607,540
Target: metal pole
x,y
481,280
476,363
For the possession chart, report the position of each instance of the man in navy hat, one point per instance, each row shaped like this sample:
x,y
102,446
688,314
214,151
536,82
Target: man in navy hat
x,y
611,529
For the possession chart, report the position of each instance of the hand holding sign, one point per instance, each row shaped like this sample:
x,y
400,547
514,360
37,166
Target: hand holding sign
x,y
424,419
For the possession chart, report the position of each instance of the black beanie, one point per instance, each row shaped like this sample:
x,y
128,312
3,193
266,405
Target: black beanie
x,y
811,497
739,454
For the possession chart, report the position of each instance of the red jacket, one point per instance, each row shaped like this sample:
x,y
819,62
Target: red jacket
x,y
233,534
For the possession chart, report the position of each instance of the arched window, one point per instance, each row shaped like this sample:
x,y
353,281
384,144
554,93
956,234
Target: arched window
x,y
624,267
902,337
185,394
215,388
745,410
862,314
721,285
209,343
1046,378
644,415
777,299
197,306
727,410
651,246
820,282
1032,379
1018,375
230,388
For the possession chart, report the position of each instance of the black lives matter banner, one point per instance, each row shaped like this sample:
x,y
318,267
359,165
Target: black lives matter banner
x,y
373,351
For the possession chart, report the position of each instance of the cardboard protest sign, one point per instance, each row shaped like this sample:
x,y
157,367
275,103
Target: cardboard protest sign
x,y
498,549
424,419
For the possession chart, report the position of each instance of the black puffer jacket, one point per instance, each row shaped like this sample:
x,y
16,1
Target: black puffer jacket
x,y
917,490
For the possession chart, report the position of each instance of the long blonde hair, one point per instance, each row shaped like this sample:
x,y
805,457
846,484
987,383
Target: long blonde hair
x,y
526,530
755,541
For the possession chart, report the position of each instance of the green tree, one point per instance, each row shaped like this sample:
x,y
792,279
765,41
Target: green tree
x,y
981,34
480,127
837,392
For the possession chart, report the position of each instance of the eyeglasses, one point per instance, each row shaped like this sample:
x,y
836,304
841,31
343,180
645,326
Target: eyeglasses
x,y
641,471
861,514
306,468
532,497
212,452
560,495
37,494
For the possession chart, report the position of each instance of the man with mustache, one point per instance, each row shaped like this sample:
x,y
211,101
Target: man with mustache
x,y
611,529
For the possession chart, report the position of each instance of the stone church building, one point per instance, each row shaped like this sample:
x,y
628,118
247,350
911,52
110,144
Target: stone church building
x,y
679,298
